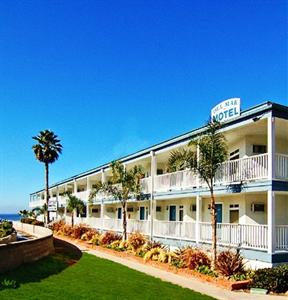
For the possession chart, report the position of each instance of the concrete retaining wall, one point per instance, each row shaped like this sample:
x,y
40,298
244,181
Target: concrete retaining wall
x,y
14,254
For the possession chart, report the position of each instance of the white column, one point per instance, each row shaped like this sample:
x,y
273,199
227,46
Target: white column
x,y
198,218
57,201
152,202
103,180
271,146
271,221
75,186
198,157
88,190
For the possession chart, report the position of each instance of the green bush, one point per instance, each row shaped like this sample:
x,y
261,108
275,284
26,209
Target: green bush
x,y
273,279
6,228
8,284
31,221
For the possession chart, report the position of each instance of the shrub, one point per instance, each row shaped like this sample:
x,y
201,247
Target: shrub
x,y
8,284
89,234
229,263
57,226
32,221
273,279
6,228
108,237
153,254
78,231
206,270
194,258
136,240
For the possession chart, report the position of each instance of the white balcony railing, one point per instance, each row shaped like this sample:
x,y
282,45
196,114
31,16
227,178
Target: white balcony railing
x,y
281,166
142,226
282,237
175,181
112,224
249,168
146,185
83,195
177,230
231,235
237,235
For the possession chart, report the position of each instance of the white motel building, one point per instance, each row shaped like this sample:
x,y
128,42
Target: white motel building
x,y
251,189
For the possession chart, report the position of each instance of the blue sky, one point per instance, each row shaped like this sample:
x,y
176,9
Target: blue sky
x,y
112,77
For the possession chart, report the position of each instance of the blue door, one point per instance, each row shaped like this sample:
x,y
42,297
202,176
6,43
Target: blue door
x,y
172,213
218,213
142,213
119,213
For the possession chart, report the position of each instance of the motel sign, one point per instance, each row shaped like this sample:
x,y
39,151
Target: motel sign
x,y
226,110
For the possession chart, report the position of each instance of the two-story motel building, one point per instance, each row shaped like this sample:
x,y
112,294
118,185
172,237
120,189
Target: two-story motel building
x,y
251,191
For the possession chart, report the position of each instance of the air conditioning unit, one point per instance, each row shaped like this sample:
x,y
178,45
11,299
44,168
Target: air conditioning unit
x,y
110,209
258,207
158,208
130,209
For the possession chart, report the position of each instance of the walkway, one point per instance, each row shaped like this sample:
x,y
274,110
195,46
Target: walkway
x,y
190,283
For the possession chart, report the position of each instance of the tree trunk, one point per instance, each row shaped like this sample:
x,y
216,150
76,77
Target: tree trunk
x,y
47,188
124,220
72,218
214,229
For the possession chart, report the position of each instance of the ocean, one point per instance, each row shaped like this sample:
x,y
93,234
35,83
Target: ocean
x,y
10,217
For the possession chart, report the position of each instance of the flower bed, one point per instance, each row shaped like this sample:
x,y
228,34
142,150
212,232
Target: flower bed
x,y
187,261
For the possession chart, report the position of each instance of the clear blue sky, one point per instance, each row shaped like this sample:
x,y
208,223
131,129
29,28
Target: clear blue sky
x,y
112,77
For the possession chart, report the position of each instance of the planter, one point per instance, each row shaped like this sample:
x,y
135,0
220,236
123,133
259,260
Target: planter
x,y
9,238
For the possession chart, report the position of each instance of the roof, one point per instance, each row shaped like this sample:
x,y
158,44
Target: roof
x,y
278,110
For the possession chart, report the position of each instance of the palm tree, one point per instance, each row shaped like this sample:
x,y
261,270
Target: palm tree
x,y
38,211
47,151
124,184
212,153
74,204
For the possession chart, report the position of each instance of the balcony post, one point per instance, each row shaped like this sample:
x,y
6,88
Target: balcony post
x,y
103,180
57,201
271,146
88,189
75,186
65,206
198,157
152,204
271,221
198,218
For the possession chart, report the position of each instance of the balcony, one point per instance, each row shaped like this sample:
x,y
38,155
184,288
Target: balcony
x,y
243,236
244,169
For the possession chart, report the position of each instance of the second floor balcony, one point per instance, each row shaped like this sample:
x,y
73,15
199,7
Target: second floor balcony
x,y
245,169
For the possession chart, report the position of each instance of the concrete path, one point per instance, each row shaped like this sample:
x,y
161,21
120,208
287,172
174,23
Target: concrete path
x,y
190,283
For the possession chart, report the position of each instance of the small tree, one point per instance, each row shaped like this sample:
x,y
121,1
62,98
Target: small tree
x,y
38,211
74,204
47,151
122,186
212,153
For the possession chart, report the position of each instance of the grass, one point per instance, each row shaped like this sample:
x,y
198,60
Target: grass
x,y
90,278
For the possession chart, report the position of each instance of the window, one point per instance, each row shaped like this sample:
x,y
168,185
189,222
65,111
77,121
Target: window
x,y
95,210
193,207
181,213
258,207
158,208
259,149
234,155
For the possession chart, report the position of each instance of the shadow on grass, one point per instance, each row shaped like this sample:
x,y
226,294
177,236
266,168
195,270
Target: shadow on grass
x,y
65,255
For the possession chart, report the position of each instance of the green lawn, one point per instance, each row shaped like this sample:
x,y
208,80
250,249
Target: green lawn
x,y
89,278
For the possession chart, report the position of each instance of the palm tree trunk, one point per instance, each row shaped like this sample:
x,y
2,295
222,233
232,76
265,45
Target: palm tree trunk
x,y
124,220
47,188
72,218
214,228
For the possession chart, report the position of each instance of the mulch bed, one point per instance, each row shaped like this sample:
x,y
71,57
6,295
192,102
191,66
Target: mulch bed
x,y
219,281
